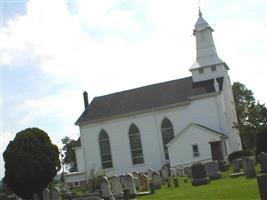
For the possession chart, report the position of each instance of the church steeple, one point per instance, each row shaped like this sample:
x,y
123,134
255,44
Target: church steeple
x,y
206,54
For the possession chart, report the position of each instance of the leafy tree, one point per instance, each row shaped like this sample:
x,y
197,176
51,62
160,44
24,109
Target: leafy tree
x,y
31,162
251,115
261,141
69,155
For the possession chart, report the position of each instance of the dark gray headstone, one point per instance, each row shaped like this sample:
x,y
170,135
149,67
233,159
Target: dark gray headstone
x,y
176,181
152,188
249,167
156,180
188,171
212,169
262,184
236,163
263,161
199,174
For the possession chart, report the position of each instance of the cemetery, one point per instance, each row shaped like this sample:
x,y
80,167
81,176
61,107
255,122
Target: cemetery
x,y
200,181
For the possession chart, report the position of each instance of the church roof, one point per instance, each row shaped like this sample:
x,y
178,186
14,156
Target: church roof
x,y
145,98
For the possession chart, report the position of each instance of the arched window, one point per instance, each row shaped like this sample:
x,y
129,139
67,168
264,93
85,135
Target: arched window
x,y
136,145
105,151
167,135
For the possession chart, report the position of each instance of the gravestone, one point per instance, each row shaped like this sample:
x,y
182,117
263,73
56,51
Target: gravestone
x,y
188,171
199,174
115,185
165,173
212,170
152,188
56,194
249,167
156,180
122,180
263,162
105,188
144,183
35,197
180,171
176,181
136,183
262,185
236,163
149,173
173,172
46,194
129,184
135,174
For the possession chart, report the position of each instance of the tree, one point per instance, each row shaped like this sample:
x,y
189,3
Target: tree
x,y
261,141
69,155
31,162
251,115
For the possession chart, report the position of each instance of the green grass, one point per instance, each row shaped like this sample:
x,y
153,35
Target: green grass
x,y
224,188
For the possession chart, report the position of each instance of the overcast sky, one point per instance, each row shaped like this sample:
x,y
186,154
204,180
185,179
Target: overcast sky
x,y
53,50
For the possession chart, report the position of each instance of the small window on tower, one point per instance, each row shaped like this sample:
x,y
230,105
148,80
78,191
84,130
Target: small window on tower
x,y
195,150
201,71
213,68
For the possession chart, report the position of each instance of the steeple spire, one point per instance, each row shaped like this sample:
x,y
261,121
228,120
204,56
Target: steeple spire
x,y
207,65
205,47
199,12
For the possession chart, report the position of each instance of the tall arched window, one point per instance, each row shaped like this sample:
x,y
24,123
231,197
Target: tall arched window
x,y
136,145
105,151
167,135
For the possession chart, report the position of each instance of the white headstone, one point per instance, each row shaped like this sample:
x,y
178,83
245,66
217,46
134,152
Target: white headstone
x,y
129,184
135,174
149,173
173,172
105,188
122,180
165,173
115,184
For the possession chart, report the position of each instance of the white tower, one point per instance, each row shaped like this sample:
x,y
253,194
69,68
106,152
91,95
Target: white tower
x,y
208,65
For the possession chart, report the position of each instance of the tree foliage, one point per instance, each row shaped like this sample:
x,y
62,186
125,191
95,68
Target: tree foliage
x,y
69,159
31,162
261,141
251,115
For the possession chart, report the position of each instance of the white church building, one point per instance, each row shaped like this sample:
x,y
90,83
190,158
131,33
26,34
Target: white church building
x,y
173,123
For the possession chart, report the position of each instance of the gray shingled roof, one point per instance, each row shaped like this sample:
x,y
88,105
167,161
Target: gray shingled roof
x,y
148,97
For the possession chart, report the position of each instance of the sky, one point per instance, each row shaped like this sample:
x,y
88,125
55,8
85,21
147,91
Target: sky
x,y
53,50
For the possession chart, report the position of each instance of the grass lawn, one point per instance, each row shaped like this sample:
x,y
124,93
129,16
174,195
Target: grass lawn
x,y
225,188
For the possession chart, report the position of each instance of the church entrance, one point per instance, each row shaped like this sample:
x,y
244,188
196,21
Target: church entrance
x,y
216,150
